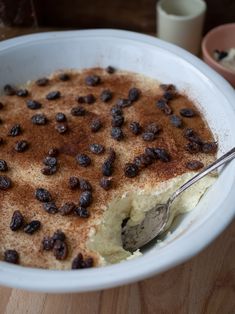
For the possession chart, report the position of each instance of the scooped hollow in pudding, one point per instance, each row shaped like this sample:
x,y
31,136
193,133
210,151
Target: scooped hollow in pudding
x,y
81,151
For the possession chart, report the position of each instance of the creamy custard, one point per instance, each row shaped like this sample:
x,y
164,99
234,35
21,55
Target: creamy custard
x,y
155,142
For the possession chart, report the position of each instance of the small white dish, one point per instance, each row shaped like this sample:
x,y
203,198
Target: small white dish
x,y
32,56
180,22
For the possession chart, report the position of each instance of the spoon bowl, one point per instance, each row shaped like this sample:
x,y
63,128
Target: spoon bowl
x,y
154,222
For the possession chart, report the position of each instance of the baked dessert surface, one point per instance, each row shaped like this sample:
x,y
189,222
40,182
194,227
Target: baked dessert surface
x,y
72,136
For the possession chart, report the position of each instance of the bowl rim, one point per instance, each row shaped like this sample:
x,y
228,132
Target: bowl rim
x,y
206,52
53,281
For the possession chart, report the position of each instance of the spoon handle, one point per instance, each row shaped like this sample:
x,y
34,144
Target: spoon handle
x,y
217,163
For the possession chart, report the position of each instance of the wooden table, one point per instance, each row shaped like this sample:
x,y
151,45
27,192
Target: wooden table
x,y
205,284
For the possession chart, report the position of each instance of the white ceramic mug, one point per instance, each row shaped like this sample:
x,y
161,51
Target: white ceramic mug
x,y
180,22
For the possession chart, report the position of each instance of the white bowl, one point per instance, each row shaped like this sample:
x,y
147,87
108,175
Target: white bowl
x,y
32,56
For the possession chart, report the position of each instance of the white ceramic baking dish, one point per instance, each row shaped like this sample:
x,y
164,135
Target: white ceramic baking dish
x,y
32,56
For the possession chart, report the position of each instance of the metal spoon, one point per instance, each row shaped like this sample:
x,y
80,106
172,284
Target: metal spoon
x,y
135,237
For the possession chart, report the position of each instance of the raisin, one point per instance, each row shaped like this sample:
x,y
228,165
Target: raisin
x,y
60,117
209,148
22,93
9,90
11,256
15,130
116,111
78,111
146,159
61,128
82,212
53,152
96,125
17,221
73,183
50,161
123,103
42,81
134,94
176,121
153,128
117,121
143,161
33,104
135,128
221,54
83,160
47,243
131,170
85,199
187,112
188,132
117,134
79,262
168,87
1,105
48,171
3,165
92,80
138,162
148,136
168,95
80,99
106,183
88,262
194,165
89,99
106,95
60,250
110,69
107,168
96,148
32,227
1,141
64,77
50,207
21,146
162,154
67,208
192,136
193,147
151,153
39,119
163,106
85,185
59,235
5,183
53,95
43,195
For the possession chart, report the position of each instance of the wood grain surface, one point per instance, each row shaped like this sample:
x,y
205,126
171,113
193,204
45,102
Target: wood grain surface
x,y
205,284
